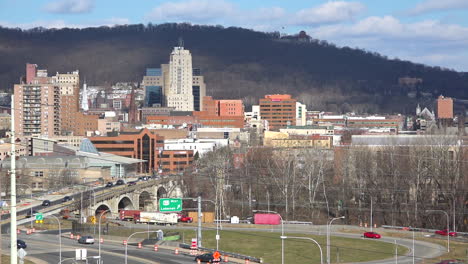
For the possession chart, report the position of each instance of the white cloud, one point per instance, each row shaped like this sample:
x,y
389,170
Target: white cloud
x,y
389,27
330,12
428,6
268,14
427,41
199,11
63,24
70,6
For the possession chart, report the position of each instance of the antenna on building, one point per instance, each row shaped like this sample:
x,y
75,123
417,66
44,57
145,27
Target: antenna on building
x,y
181,42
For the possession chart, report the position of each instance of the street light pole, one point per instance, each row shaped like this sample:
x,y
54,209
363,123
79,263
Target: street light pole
x,y
199,233
308,238
328,236
128,239
13,236
282,231
60,237
100,217
448,226
371,208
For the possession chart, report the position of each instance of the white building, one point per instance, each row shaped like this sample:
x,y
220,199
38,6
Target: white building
x,y
179,93
202,146
301,111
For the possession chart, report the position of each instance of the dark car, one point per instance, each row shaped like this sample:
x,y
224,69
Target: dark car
x,y
21,244
119,182
86,240
132,183
66,199
46,203
109,184
143,178
208,257
29,214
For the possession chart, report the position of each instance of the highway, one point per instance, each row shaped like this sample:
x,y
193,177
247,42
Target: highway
x,y
45,246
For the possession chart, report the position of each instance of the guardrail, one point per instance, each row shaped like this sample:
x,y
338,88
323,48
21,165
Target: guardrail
x,y
297,223
225,253
417,229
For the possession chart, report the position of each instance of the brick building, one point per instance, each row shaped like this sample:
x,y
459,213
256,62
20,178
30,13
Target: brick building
x,y
176,161
444,107
142,144
223,107
279,110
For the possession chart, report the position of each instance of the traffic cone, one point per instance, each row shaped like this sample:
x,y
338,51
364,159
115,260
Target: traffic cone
x,y
365,224
139,244
18,231
71,235
34,230
226,258
78,237
102,240
28,232
375,225
198,261
125,242
155,247
247,261
176,251
360,224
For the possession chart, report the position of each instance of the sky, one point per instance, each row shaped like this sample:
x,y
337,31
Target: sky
x,y
433,32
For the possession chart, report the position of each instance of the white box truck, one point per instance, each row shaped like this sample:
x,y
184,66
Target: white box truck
x,y
158,218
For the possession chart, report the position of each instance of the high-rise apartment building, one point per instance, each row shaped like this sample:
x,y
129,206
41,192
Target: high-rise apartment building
x,y
69,84
37,107
279,110
176,84
48,106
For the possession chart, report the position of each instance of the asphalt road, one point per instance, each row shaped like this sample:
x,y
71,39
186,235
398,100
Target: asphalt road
x,y
46,247
422,250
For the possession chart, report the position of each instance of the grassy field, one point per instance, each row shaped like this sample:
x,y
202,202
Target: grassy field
x,y
6,259
267,245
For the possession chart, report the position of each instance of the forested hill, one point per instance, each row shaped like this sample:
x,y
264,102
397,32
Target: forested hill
x,y
236,62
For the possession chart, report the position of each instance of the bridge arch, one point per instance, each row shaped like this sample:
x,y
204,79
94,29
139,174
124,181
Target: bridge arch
x,y
161,192
101,208
125,203
144,199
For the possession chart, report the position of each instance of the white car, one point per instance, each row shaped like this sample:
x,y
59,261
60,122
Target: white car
x,y
86,240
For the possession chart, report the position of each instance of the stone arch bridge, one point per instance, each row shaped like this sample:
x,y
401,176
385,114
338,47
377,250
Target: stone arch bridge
x,y
142,196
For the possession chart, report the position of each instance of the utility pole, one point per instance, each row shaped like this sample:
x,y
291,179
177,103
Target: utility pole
x,y
13,237
199,236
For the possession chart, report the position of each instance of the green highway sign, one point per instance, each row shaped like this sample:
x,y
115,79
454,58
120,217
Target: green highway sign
x,y
39,217
170,205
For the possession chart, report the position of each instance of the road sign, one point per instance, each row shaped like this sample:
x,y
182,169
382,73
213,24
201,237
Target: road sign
x,y
22,253
39,217
81,253
170,205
